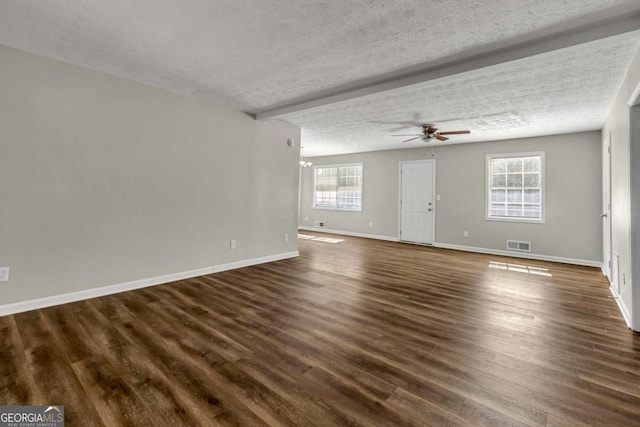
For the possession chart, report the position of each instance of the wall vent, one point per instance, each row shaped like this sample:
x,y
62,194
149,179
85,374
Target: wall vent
x,y
318,224
516,245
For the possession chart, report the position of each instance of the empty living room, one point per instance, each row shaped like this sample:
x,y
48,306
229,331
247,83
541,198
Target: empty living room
x,y
304,213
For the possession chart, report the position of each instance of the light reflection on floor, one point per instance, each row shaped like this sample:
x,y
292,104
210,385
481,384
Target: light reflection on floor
x,y
320,239
502,323
520,268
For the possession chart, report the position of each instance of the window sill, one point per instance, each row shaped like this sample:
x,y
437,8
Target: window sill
x,y
521,220
337,209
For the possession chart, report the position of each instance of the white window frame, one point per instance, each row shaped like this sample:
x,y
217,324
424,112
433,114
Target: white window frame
x,y
543,205
341,165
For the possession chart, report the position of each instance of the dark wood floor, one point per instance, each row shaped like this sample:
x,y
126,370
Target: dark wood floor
x,y
360,332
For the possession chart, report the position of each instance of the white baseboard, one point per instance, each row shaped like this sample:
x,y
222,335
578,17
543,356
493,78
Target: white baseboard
x,y
622,307
38,303
512,254
254,261
349,233
539,257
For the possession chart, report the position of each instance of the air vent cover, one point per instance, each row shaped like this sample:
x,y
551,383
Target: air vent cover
x,y
318,224
516,245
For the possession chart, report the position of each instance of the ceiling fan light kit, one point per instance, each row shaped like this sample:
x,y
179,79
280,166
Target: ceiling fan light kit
x,y
304,163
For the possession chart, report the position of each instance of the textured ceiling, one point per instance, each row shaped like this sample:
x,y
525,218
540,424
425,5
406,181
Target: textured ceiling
x,y
568,90
260,55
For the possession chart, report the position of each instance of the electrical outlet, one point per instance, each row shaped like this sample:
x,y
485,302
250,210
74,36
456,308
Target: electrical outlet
x,y
232,244
370,223
465,233
306,219
286,237
437,197
4,274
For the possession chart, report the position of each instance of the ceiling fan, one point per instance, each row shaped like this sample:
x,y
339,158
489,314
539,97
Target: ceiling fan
x,y
430,131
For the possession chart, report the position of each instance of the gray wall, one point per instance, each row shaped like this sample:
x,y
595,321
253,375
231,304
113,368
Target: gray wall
x,y
635,212
618,125
105,181
573,195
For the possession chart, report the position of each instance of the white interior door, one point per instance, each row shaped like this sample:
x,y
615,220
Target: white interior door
x,y
606,210
417,209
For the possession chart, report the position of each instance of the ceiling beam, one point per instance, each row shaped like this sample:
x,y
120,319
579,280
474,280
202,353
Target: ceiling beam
x,y
615,22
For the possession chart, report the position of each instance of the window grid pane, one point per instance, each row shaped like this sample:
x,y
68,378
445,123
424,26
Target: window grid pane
x,y
515,187
338,187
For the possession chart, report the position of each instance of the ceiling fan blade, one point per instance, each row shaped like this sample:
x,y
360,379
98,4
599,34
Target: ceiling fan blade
x,y
441,138
417,137
455,132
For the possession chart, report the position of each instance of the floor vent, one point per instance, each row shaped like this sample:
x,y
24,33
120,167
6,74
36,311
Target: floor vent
x,y
318,224
516,245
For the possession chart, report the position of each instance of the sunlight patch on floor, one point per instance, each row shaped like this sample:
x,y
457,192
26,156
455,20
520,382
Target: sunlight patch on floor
x,y
320,239
520,268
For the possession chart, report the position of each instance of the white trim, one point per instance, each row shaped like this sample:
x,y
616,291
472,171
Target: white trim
x,y
488,158
349,233
607,233
345,165
433,192
635,97
514,219
38,303
604,270
539,257
337,209
254,261
562,260
622,307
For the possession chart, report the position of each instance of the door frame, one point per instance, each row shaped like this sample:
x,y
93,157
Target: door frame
x,y
433,189
607,246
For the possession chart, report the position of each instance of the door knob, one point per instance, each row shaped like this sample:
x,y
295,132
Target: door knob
x,y
603,215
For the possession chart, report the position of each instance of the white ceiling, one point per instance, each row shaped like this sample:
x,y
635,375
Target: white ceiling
x,y
349,72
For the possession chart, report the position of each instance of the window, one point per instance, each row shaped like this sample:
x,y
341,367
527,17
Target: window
x,y
515,187
338,187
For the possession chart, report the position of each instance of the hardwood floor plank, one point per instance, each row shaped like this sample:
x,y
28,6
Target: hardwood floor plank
x,y
196,375
288,386
110,309
113,398
175,404
32,328
357,333
424,412
17,386
75,342
58,384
